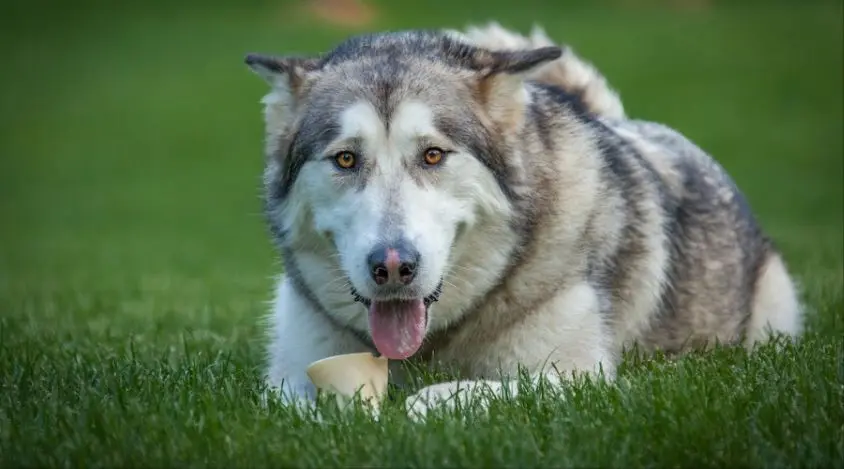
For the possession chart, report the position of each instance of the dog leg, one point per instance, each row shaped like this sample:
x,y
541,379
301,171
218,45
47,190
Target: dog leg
x,y
301,335
566,335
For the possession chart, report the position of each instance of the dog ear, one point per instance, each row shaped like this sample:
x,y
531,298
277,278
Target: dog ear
x,y
500,81
284,74
286,77
513,61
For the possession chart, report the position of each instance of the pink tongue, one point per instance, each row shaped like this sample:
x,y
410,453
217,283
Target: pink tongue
x,y
398,327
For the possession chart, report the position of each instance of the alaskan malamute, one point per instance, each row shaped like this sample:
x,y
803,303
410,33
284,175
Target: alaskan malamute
x,y
481,200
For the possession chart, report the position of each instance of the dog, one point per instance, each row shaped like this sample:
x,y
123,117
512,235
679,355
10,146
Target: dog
x,y
479,200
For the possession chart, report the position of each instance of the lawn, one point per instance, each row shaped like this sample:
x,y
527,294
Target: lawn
x,y
135,268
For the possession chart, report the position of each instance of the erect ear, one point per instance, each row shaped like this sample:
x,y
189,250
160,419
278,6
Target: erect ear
x,y
500,81
285,74
287,77
513,61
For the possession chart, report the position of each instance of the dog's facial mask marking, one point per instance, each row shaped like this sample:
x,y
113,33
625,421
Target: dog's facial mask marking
x,y
389,217
389,168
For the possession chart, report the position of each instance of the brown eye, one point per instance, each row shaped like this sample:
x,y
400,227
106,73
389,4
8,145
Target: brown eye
x,y
433,156
345,159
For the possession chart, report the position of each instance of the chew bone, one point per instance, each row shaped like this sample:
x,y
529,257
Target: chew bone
x,y
350,374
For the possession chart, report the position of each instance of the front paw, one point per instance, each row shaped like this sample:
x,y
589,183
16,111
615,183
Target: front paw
x,y
449,397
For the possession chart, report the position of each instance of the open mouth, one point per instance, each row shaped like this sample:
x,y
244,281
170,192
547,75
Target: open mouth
x,y
398,325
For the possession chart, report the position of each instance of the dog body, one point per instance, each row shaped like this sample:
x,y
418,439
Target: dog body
x,y
480,200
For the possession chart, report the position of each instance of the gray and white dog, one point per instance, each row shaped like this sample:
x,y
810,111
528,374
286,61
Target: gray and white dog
x,y
479,199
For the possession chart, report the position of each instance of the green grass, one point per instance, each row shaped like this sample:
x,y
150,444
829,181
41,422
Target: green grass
x,y
135,268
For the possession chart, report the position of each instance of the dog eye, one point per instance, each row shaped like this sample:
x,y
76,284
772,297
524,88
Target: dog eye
x,y
345,160
433,156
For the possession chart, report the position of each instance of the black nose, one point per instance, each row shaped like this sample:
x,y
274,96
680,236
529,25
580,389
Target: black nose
x,y
393,263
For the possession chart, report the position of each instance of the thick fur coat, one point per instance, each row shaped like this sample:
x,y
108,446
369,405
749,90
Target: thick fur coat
x,y
481,200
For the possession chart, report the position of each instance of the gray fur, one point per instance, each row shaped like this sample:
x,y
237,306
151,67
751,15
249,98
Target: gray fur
x,y
667,239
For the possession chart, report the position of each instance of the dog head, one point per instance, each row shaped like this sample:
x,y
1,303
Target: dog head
x,y
387,150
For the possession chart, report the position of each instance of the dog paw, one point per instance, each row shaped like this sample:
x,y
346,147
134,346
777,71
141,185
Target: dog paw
x,y
447,397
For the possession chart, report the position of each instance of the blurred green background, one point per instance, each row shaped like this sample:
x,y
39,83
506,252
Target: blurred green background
x,y
130,161
131,134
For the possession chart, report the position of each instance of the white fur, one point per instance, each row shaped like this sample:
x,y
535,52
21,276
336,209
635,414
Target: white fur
x,y
586,349
320,207
776,308
355,218
300,336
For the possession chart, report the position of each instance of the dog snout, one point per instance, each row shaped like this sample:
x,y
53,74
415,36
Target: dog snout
x,y
393,263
